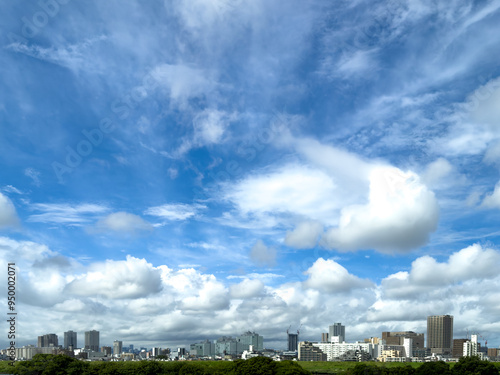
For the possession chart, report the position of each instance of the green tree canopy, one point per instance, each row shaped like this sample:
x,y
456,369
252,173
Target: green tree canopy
x,y
474,366
433,368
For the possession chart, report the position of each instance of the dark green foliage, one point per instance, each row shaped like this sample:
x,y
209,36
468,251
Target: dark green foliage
x,y
255,366
373,369
366,369
48,364
474,366
193,368
433,368
289,368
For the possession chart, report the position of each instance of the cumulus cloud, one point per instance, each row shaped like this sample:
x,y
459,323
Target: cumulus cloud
x,y
212,296
400,215
8,214
330,277
262,254
26,250
123,222
292,189
305,235
176,302
473,262
248,288
366,205
130,278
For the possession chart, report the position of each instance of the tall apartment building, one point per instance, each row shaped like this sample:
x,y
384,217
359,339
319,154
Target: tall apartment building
x,y
440,334
70,340
92,340
48,340
117,347
337,333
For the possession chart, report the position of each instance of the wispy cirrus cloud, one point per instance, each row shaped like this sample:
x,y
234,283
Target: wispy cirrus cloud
x,y
62,213
175,211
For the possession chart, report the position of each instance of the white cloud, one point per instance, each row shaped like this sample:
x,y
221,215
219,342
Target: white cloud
x,y
65,213
27,250
305,235
330,277
292,189
209,128
263,255
8,214
175,211
123,222
34,175
210,125
400,215
476,127
73,57
183,82
248,288
212,296
428,276
188,305
12,189
130,278
356,63
436,171
492,200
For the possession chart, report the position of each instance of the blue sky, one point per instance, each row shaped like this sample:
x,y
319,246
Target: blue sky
x,y
175,171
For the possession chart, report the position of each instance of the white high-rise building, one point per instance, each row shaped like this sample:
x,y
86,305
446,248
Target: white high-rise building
x,y
408,344
471,347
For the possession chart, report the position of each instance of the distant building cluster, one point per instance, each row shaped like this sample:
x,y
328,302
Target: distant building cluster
x,y
404,346
49,344
396,346
228,346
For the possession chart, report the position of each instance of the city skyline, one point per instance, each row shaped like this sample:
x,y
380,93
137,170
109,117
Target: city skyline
x,y
172,171
438,328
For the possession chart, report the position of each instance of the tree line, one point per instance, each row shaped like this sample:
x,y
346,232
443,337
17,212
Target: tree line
x,y
48,364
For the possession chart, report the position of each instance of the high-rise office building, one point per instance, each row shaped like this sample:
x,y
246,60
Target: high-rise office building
x,y
337,333
440,334
117,347
92,340
70,342
250,338
48,340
